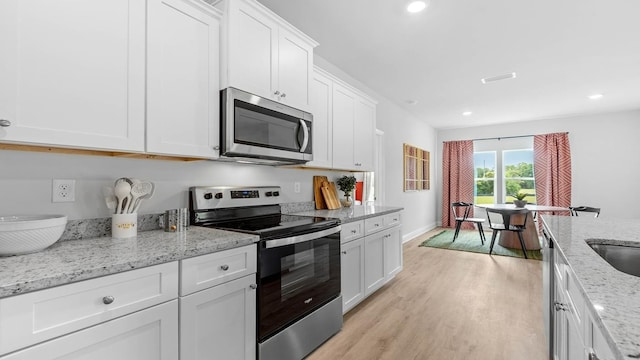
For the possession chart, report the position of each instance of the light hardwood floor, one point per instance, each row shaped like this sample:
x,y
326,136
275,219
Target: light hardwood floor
x,y
447,304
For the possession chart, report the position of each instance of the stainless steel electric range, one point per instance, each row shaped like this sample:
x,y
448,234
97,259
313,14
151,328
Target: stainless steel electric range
x,y
299,305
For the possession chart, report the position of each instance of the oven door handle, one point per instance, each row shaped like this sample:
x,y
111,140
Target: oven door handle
x,y
301,238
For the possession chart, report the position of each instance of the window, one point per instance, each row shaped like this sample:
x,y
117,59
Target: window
x,y
485,177
503,167
517,174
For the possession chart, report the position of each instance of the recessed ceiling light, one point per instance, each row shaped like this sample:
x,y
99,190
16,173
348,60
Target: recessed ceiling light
x,y
467,113
498,78
416,6
411,102
595,96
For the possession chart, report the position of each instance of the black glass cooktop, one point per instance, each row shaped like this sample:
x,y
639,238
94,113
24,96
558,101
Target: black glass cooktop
x,y
275,226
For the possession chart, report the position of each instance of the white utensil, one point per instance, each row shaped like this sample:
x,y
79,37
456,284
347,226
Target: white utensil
x,y
139,189
122,190
109,198
151,189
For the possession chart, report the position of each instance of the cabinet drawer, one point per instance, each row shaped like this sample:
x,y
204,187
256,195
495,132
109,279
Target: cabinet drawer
x,y
391,220
373,225
351,231
204,271
575,298
34,317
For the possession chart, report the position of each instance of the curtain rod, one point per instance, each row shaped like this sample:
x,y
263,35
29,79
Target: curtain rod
x,y
508,137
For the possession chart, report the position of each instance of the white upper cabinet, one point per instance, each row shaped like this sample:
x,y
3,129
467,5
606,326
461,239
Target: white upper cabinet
x,y
364,126
264,55
183,104
344,112
72,73
321,107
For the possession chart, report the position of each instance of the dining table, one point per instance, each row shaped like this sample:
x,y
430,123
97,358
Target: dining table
x,y
530,235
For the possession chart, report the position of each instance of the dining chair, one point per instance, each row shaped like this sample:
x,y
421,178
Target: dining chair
x,y
512,220
461,211
576,209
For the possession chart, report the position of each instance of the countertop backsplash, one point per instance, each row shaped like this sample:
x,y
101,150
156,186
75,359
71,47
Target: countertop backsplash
x,y
93,228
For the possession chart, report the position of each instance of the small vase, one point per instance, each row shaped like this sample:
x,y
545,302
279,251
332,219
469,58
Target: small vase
x,y
347,201
520,203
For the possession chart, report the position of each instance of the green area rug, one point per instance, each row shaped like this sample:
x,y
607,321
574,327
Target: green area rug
x,y
469,240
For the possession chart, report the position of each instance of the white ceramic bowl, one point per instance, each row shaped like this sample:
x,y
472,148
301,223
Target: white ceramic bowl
x,y
29,233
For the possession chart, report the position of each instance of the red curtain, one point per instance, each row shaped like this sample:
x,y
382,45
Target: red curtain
x,y
457,178
552,166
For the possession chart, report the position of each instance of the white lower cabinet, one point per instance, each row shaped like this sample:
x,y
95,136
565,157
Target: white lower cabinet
x,y
150,334
219,321
142,314
371,257
576,335
374,255
129,315
352,273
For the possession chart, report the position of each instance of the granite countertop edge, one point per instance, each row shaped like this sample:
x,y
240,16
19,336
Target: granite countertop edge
x,y
353,213
70,261
612,296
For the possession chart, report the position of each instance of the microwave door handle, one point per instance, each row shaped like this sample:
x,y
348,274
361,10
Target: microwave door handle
x,y
305,142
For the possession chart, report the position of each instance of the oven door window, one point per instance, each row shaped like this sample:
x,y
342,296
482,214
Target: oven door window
x,y
295,280
256,125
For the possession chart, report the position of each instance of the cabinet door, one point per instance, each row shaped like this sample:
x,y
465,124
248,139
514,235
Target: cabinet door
x,y
252,59
321,105
392,252
73,73
219,322
295,65
344,109
374,274
150,334
352,274
364,133
182,78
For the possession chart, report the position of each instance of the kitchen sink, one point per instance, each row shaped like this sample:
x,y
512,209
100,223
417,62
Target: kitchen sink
x,y
623,258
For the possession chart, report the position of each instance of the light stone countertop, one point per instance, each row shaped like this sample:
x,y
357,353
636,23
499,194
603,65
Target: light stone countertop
x,y
353,213
74,260
615,295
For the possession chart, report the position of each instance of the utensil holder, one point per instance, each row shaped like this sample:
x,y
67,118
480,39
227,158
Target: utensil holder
x,y
124,225
176,220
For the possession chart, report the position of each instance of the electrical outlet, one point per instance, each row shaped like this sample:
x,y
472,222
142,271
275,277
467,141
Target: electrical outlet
x,y
63,190
296,187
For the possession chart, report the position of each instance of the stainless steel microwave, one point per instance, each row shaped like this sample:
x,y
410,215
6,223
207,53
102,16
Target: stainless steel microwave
x,y
260,130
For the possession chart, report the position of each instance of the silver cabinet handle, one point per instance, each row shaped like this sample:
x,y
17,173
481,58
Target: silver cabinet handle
x,y
253,286
344,252
224,267
5,123
376,225
276,92
354,231
283,95
560,306
108,300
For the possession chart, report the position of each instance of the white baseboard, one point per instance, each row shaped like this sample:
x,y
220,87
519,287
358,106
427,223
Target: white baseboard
x,y
420,231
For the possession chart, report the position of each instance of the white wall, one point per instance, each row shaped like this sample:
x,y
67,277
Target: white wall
x,y
400,127
25,181
604,152
25,177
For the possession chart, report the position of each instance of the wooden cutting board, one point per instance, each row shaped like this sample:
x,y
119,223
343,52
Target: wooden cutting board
x,y
330,197
317,191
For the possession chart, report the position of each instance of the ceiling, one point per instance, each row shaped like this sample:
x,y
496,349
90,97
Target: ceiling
x,y
562,51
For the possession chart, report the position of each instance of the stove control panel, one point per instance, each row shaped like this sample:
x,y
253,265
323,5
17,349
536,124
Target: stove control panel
x,y
216,197
246,194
